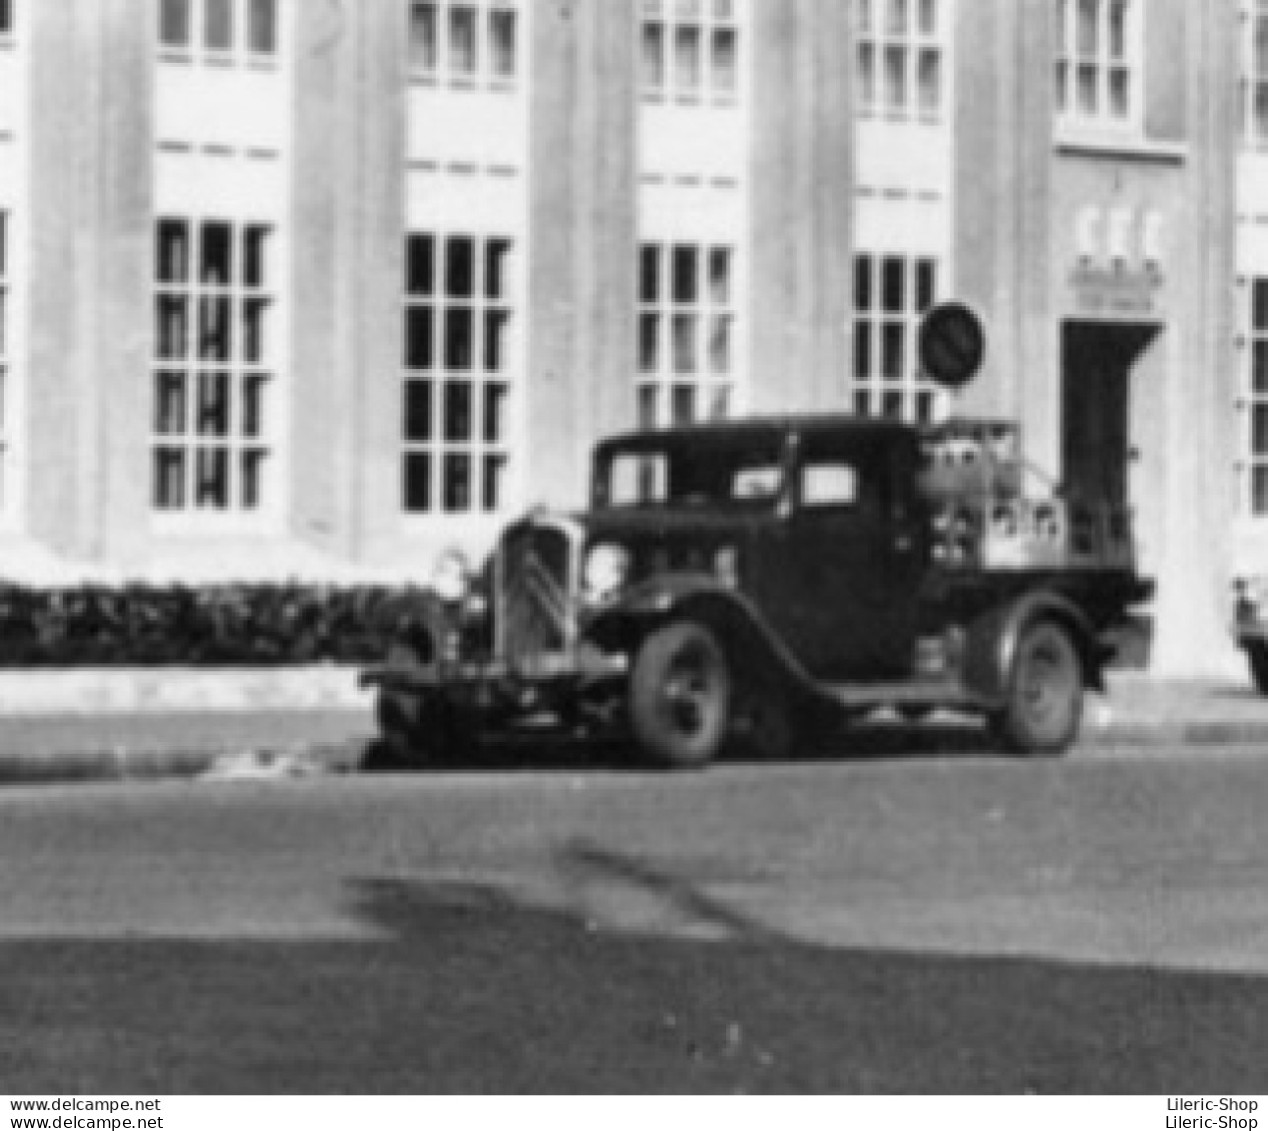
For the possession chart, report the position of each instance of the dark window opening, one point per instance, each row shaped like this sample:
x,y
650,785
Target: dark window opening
x,y
262,27
218,25
173,22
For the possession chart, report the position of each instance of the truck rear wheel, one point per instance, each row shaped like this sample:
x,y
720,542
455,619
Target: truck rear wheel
x,y
1045,693
680,696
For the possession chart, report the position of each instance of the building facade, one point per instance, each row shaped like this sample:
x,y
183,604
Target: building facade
x,y
321,288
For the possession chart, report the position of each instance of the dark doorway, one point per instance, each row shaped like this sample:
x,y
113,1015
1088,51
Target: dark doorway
x,y
1096,368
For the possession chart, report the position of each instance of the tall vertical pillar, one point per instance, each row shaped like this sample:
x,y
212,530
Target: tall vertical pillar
x,y
582,233
118,362
1191,612
324,463
802,202
370,190
91,99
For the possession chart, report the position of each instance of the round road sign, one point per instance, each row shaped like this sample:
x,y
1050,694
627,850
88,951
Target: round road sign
x,y
952,344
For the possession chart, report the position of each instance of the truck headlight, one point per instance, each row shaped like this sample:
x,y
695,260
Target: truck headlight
x,y
451,575
606,569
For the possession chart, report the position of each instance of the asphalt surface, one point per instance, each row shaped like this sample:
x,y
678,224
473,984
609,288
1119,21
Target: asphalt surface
x,y
917,922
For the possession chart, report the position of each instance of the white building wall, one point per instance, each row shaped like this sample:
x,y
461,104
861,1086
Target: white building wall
x,y
903,202
466,154
694,186
222,153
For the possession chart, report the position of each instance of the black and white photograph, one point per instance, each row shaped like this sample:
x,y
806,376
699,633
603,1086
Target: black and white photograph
x,y
633,548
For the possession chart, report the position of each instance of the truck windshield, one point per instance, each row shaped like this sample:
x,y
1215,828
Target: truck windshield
x,y
704,475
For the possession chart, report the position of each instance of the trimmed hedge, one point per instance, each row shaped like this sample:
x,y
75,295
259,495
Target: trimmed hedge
x,y
239,625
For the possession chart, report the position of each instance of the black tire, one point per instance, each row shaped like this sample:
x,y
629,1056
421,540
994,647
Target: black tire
x,y
1257,659
680,696
1045,693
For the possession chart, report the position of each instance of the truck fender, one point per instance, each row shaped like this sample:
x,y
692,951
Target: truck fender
x,y
414,626
741,628
991,643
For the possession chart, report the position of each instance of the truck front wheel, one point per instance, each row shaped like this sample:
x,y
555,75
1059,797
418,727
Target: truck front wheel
x,y
680,695
1045,693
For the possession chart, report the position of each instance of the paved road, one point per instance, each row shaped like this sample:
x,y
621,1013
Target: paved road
x,y
902,924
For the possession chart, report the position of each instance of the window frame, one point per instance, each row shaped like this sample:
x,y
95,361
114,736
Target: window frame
x,y
1254,402
485,73
689,301
674,23
245,308
1253,87
240,51
916,42
885,376
1069,59
435,368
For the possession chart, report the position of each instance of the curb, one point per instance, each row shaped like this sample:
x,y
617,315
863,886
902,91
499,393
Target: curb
x,y
121,764
1179,733
167,690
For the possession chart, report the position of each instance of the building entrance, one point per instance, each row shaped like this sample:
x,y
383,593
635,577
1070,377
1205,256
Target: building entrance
x,y
1097,359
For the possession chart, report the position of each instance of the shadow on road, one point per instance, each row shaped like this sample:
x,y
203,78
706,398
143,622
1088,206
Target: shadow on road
x,y
469,988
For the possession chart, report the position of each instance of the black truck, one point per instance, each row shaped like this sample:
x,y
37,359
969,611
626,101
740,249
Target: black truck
x,y
750,582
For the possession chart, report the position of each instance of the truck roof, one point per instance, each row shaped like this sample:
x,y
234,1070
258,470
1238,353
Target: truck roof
x,y
759,429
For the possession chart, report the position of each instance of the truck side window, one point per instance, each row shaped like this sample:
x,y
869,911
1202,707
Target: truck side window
x,y
827,484
757,482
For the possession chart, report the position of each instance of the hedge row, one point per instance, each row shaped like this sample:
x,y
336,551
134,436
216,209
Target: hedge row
x,y
244,624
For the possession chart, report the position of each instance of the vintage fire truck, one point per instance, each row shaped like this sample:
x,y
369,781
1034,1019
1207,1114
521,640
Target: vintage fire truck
x,y
743,584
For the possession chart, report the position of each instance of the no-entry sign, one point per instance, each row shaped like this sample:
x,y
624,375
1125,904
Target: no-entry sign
x,y
952,344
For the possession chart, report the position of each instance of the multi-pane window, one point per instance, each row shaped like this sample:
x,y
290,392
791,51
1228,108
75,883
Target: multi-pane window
x,y
5,389
891,292
1254,94
214,370
458,362
1257,400
221,32
466,44
689,51
900,59
1098,61
686,333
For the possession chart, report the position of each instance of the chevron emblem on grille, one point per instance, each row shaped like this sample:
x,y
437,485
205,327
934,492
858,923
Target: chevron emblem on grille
x,y
550,595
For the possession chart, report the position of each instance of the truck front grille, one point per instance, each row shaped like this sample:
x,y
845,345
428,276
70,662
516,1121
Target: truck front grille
x,y
535,597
